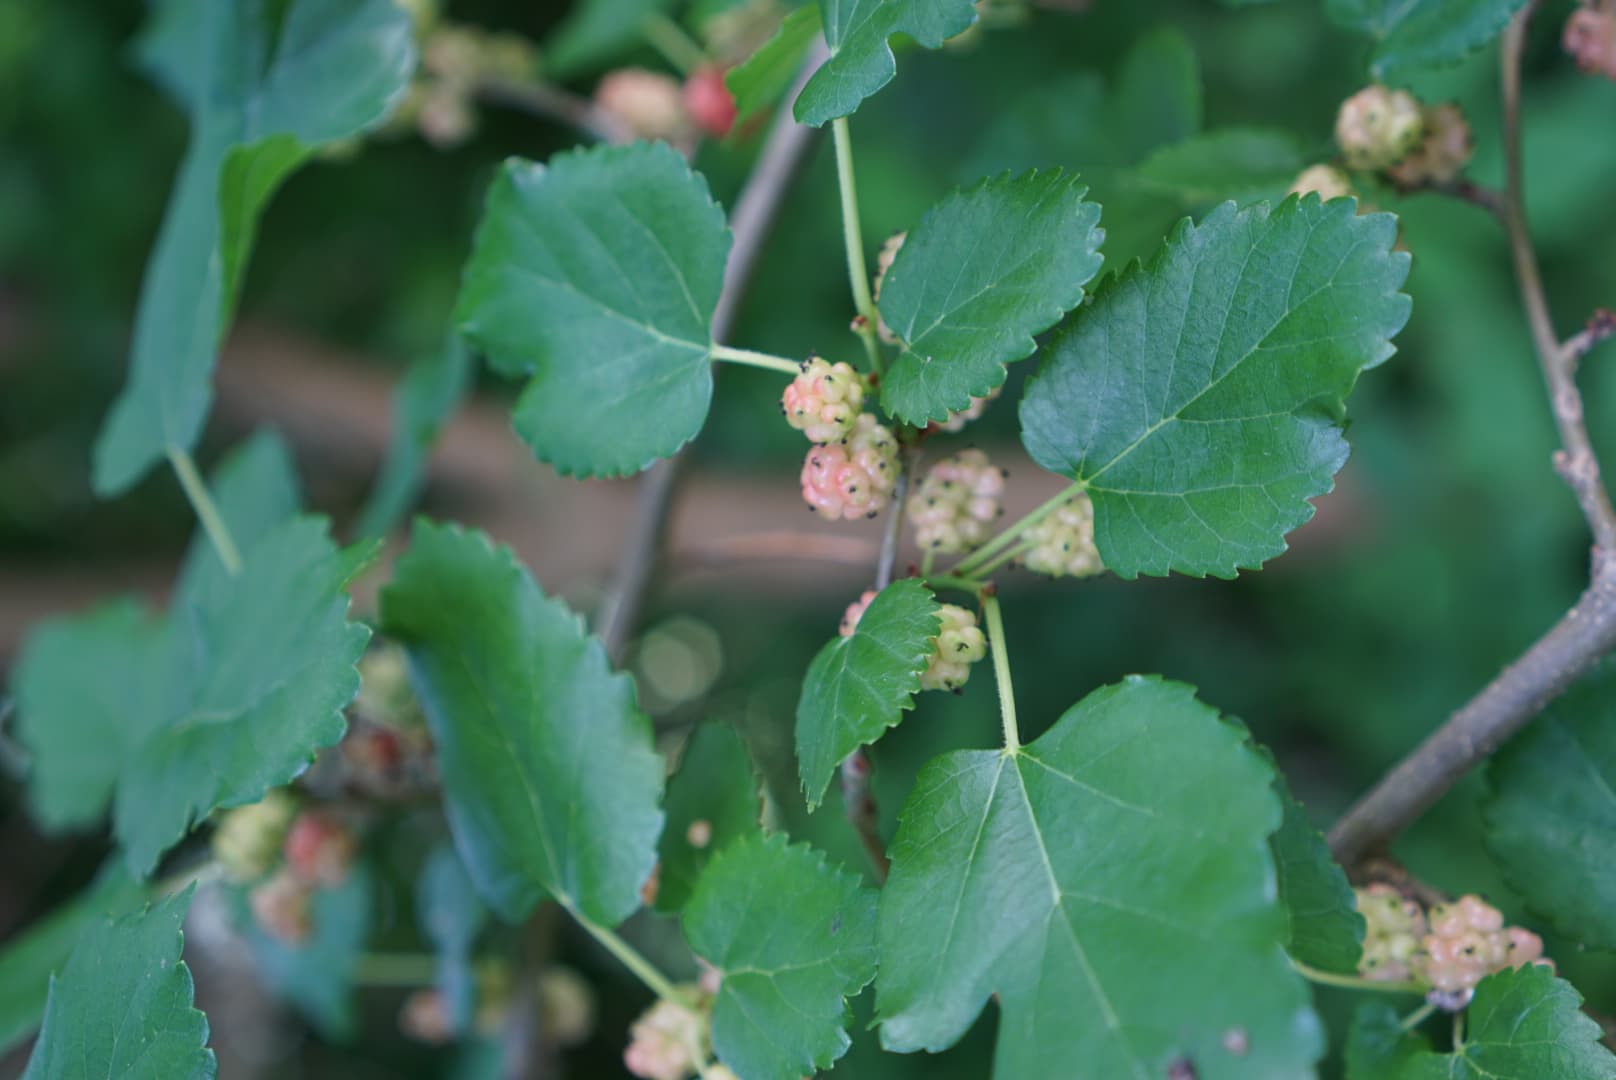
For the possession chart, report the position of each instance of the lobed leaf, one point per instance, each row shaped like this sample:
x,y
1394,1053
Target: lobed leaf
x,y
792,938
861,684
1199,398
597,275
550,779
266,83
985,270
1111,883
122,1007
861,60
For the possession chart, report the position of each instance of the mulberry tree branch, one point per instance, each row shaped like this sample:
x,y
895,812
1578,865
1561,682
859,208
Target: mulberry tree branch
x,y
1585,633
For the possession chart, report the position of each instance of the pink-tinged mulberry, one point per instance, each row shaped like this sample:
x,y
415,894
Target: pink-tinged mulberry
x,y
959,644
281,907
665,1042
1467,942
855,612
1442,154
824,400
320,849
1394,927
651,105
956,502
1063,542
1376,127
854,477
1590,38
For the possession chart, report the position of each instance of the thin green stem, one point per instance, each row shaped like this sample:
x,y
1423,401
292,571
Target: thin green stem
x,y
1356,982
1417,1017
927,557
394,969
1458,1031
1001,670
677,47
949,581
756,359
858,273
642,968
969,566
206,512
1003,557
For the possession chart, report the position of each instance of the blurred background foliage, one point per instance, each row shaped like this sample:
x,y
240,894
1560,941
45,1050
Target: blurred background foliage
x,y
1449,546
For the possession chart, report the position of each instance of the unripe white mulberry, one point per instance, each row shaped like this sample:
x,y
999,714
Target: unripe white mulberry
x,y
651,105
1467,942
855,612
957,420
959,644
824,400
1394,927
666,1040
247,842
566,1006
1327,181
883,263
1377,127
1063,542
281,907
855,477
1442,154
956,502
1590,37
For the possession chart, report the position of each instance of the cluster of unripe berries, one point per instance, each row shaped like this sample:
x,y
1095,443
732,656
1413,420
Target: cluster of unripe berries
x,y
1063,542
959,643
1387,131
852,468
669,1041
957,502
285,854
651,105
442,101
1449,949
564,1000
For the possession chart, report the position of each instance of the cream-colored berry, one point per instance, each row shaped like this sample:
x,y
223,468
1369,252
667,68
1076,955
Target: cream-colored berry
x,y
248,840
649,104
957,420
1394,926
1063,542
1376,127
1325,181
824,400
666,1040
956,502
1442,154
959,644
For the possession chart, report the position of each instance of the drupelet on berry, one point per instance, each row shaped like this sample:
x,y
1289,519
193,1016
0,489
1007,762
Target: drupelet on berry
x,y
854,477
824,400
1063,542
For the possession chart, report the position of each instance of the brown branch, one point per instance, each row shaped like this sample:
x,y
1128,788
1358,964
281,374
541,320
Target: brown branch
x,y
551,102
1465,190
778,164
1583,634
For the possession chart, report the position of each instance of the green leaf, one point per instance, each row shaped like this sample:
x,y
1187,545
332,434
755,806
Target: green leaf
x,y
121,1008
597,32
43,947
767,74
548,770
861,60
1236,163
428,394
451,915
985,270
317,975
1199,399
79,682
598,274
1414,34
713,799
861,684
1156,97
1523,1024
1551,812
1112,884
229,695
793,938
1326,931
261,667
266,82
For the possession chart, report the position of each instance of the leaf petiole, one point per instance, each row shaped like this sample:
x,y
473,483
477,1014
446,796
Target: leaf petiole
x,y
972,564
206,512
1001,670
1356,982
950,581
756,359
677,47
630,958
1417,1017
858,273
